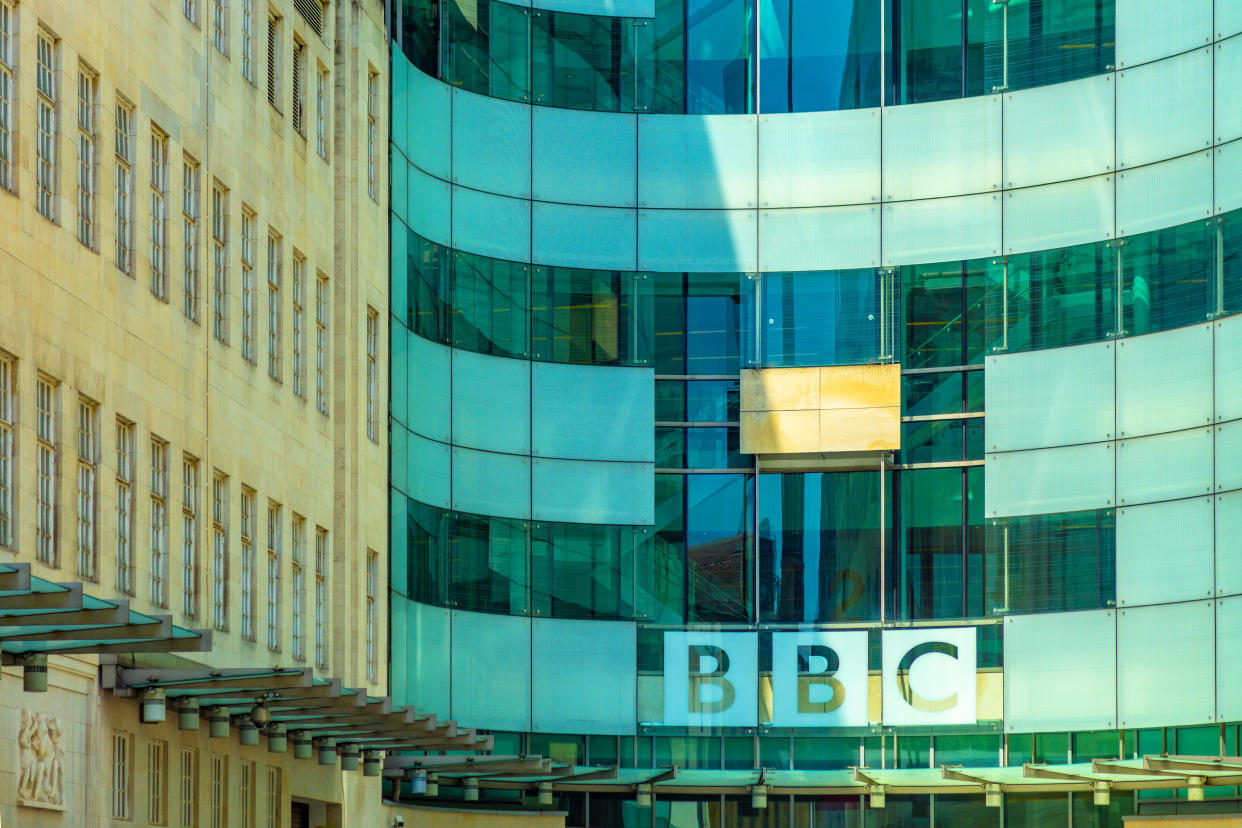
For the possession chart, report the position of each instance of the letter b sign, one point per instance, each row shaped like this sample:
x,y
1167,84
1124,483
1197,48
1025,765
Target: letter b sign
x,y
709,679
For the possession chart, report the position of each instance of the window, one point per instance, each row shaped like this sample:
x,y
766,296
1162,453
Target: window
x,y
219,791
159,225
8,423
273,60
220,25
321,344
189,225
248,40
159,522
372,374
124,506
273,306
372,586
189,536
190,7
246,794
321,111
321,596
247,564
8,71
372,115
299,325
275,799
47,56
220,263
122,775
88,108
247,286
88,463
47,431
273,576
298,584
299,86
157,782
188,767
219,551
124,185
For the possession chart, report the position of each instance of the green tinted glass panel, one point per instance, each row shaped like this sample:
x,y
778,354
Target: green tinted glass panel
x,y
487,564
825,753
559,747
1064,561
489,312
598,317
1167,278
429,276
670,401
931,561
817,318
690,752
1045,41
1097,745
973,751
582,61
581,571
717,548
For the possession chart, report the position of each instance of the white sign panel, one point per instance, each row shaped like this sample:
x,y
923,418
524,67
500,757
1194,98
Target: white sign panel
x,y
711,679
819,679
929,676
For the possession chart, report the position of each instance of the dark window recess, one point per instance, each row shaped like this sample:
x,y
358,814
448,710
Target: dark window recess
x,y
299,814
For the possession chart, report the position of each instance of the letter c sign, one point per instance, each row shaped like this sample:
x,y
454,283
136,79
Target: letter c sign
x,y
929,676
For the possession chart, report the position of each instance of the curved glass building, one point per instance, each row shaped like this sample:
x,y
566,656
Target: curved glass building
x,y
822,412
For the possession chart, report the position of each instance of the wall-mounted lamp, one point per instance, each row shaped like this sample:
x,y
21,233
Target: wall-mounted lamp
x,y
327,751
349,757
154,705
471,787
187,714
218,722
301,744
277,740
34,672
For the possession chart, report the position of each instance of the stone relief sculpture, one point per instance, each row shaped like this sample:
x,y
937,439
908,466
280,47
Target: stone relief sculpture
x,y
42,779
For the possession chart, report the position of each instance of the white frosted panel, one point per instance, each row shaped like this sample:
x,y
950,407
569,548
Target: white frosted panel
x,y
696,240
1164,109
1043,481
1164,552
811,159
491,144
593,412
1077,143
1228,76
1164,381
1227,334
426,655
1229,460
1164,467
610,8
403,114
491,225
1228,17
697,161
1060,671
591,491
819,238
583,678
1055,397
1228,532
945,148
1229,666
941,229
429,206
1151,29
1164,194
585,157
490,483
491,671
600,238
1059,215
428,370
427,471
1165,665
491,402
1228,172
428,141
942,683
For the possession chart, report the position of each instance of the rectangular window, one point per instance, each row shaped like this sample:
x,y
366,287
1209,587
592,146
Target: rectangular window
x,y
46,101
220,262
299,325
321,596
247,286
8,425
88,110
190,7
273,576
372,587
189,225
299,87
248,40
219,550
247,564
188,774
372,375
189,536
273,305
122,775
219,791
321,344
157,782
372,117
88,465
8,73
124,506
322,79
273,60
220,25
245,792
159,215
159,522
275,797
47,463
297,555
124,186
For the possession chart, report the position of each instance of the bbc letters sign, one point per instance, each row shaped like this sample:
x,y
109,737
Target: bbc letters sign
x,y
819,678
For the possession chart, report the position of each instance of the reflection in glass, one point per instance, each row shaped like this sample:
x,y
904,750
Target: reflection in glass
x,y
593,317
717,49
717,571
818,318
581,571
818,55
487,564
1056,562
488,313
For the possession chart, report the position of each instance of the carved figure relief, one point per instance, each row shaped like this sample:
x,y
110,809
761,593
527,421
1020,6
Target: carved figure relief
x,y
42,779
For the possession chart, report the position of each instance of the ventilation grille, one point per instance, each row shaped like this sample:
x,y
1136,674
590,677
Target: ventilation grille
x,y
312,12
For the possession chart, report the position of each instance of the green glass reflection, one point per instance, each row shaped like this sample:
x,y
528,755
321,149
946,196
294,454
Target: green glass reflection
x,y
670,401
964,812
690,752
660,574
595,317
931,581
582,61
581,571
970,751
1064,561
487,564
1035,42
825,753
1167,278
900,812
913,751
429,278
717,548
1048,809
1102,744
1089,815
489,309
559,747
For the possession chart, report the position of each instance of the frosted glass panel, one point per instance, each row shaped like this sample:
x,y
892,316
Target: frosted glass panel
x,y
1077,143
398,183
427,471
582,677
1150,29
940,229
590,491
428,211
1228,530
600,238
810,159
1228,171
697,161
819,238
491,402
1229,667
1165,671
945,148
399,356
1228,75
1229,459
1059,215
600,148
696,240
428,370
426,657
1153,124
491,144
1228,366
592,412
1060,671
1044,481
1164,552
1164,467
1057,397
1164,381
1228,17
426,141
491,225
1164,194
491,671
489,483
